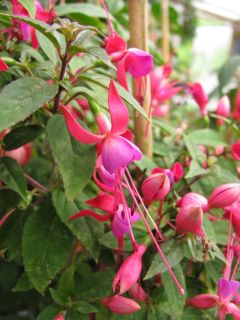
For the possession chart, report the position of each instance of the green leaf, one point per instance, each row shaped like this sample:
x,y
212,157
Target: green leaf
x,y
221,231
66,282
85,229
12,175
83,8
174,255
46,246
21,98
11,233
76,161
175,300
207,137
100,54
38,25
195,170
20,136
23,284
47,47
49,312
8,199
85,307
88,288
29,5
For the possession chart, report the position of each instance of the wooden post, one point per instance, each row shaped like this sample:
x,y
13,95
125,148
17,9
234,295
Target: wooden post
x,y
165,31
138,24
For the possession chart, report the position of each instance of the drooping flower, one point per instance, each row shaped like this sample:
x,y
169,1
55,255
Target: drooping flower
x,y
116,151
159,183
129,272
200,96
224,195
3,65
190,216
121,305
135,61
227,290
223,109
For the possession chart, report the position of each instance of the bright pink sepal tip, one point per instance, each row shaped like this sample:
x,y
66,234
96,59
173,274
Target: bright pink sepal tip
x,y
235,150
200,96
224,195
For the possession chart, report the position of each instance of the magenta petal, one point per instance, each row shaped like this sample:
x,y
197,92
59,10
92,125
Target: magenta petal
x,y
120,225
77,131
118,110
234,310
138,62
118,152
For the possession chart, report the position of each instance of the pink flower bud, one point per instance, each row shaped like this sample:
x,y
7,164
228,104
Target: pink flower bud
x,y
203,301
224,195
137,292
235,149
121,305
189,220
156,187
129,272
177,170
193,199
200,96
223,109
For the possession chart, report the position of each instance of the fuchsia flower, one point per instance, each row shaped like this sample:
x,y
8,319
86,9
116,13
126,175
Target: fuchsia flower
x,y
233,212
129,272
135,61
121,305
116,151
119,218
200,96
162,89
224,195
3,65
159,183
236,113
223,109
190,217
227,291
235,150
27,32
